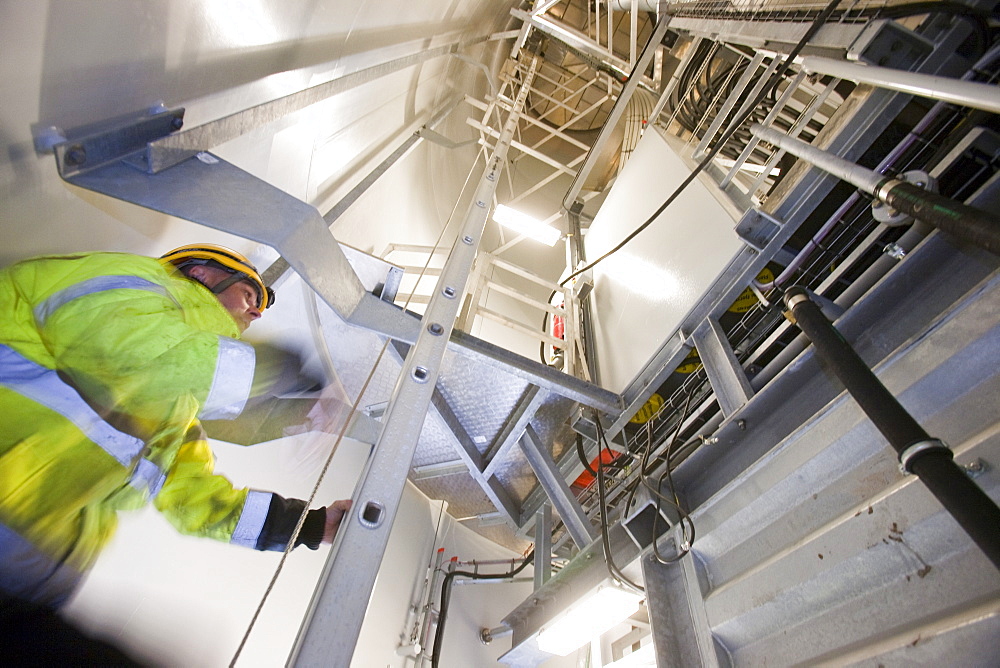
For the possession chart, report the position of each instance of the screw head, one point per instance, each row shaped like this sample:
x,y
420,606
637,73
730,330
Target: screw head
x,y
76,155
177,123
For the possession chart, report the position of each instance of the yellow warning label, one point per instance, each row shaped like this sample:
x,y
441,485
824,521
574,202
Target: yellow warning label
x,y
691,363
747,298
649,409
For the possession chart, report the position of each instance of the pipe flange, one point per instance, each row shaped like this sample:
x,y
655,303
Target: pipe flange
x,y
884,213
906,456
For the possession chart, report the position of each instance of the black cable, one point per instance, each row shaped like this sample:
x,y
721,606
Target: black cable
x,y
683,516
583,456
446,595
609,561
778,75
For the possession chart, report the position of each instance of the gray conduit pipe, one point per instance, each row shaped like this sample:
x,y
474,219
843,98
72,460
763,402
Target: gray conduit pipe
x,y
972,225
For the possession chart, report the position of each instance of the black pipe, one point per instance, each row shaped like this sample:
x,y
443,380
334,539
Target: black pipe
x,y
927,458
975,226
446,597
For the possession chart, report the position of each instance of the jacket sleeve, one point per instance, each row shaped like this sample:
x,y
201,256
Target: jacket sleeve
x,y
134,351
198,502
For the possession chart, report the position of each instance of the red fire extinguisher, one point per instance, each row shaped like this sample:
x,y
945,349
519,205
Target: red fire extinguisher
x,y
558,331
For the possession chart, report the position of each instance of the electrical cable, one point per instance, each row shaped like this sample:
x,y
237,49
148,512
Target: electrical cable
x,y
615,572
583,456
446,596
688,541
778,76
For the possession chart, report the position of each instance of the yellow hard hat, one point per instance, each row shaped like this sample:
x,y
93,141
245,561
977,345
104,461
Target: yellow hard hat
x,y
223,258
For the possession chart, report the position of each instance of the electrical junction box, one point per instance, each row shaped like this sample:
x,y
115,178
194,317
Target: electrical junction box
x,y
642,292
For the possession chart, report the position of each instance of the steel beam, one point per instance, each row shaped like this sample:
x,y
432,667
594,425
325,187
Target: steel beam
x,y
217,194
616,112
543,545
513,428
729,381
551,480
681,632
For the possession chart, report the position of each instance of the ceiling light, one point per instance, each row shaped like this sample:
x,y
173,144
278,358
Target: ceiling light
x,y
588,618
526,225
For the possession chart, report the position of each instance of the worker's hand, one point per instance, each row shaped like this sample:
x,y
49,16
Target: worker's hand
x,y
334,515
278,372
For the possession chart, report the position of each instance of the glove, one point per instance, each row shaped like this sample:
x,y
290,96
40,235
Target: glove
x,y
279,372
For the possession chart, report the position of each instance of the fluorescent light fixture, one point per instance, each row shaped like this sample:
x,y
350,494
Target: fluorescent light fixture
x,y
588,618
526,225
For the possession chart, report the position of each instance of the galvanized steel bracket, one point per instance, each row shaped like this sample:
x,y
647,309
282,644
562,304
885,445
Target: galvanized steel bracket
x,y
204,188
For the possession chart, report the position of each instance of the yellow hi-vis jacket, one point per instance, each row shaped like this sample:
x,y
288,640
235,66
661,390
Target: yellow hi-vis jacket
x,y
107,361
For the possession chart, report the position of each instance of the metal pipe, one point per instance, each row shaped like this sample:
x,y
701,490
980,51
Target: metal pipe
x,y
928,458
489,562
641,5
965,222
489,635
472,581
872,275
965,93
543,545
862,177
427,603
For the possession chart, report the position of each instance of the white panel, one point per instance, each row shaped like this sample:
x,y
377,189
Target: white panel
x,y
642,292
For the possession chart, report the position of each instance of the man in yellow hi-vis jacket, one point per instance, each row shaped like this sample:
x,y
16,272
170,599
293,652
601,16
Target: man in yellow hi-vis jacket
x,y
107,363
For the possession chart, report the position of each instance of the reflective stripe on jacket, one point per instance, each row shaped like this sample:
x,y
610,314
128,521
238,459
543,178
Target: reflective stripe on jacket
x,y
106,363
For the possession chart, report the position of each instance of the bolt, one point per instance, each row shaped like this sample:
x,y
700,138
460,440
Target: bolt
x,y
742,424
76,155
974,468
467,239
480,203
894,251
710,440
177,123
